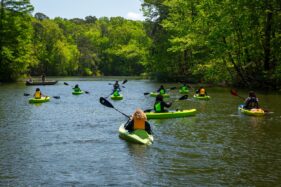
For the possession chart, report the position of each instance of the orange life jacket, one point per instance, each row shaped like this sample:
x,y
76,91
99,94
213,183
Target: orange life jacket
x,y
202,91
139,124
37,95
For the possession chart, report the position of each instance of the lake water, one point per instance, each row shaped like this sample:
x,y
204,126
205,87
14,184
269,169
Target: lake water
x,y
73,141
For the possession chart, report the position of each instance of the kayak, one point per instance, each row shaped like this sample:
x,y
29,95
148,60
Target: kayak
x,y
78,93
41,100
154,94
252,112
120,97
31,83
206,97
137,136
183,91
170,114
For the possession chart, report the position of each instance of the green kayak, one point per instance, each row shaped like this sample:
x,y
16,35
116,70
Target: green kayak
x,y
252,112
171,114
137,136
120,97
41,100
78,93
206,97
183,91
154,94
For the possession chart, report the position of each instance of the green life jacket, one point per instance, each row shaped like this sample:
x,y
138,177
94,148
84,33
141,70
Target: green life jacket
x,y
116,93
157,107
162,92
77,89
183,88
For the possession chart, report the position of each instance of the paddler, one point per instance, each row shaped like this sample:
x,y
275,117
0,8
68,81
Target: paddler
x,y
76,88
160,104
138,121
201,92
251,102
38,94
161,90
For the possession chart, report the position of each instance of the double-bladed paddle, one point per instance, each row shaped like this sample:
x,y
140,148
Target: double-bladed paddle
x,y
106,103
56,97
65,83
172,88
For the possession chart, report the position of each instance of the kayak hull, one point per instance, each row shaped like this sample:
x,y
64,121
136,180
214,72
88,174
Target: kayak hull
x,y
77,93
120,97
41,100
35,83
173,114
137,136
207,97
252,112
154,94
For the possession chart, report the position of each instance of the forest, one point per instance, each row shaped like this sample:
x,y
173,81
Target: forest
x,y
209,41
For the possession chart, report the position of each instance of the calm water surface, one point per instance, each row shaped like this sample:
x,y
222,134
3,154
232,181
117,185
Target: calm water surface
x,y
73,141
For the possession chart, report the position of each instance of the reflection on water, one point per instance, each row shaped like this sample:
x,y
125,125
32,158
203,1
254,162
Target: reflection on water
x,y
73,141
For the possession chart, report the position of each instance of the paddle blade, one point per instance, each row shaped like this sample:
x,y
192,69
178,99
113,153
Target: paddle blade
x,y
234,92
173,88
146,93
148,110
105,102
65,83
124,81
26,94
56,97
184,97
87,92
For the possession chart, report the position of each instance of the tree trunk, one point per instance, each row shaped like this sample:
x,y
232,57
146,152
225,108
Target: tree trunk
x,y
267,39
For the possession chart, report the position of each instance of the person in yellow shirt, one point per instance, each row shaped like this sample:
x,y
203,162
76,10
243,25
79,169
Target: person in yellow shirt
x,y
138,121
38,94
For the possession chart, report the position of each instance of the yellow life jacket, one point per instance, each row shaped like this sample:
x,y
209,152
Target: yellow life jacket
x,y
139,124
37,95
202,91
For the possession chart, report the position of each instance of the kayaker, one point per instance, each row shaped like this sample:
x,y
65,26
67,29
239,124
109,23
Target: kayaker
x,y
201,91
76,88
184,87
138,121
38,94
159,105
161,90
252,101
43,77
116,86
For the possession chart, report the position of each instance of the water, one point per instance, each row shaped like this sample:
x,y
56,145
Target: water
x,y
73,141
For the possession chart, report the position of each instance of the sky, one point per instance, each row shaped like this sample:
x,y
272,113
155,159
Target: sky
x,y
129,9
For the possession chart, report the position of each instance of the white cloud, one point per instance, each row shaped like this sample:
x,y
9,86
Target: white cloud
x,y
134,16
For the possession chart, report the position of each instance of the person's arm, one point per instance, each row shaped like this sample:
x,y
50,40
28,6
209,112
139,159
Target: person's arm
x,y
148,128
169,104
129,126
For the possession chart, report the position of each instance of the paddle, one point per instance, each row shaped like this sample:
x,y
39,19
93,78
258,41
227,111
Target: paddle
x,y
124,82
65,83
106,103
184,97
172,88
235,93
56,97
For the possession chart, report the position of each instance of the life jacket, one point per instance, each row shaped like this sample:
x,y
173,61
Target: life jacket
x,y
116,93
157,107
252,103
37,95
77,89
139,124
162,91
202,91
183,88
